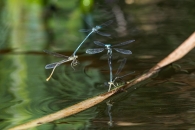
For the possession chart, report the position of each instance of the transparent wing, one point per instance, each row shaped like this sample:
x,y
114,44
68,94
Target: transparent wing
x,y
99,43
55,54
123,51
121,66
52,65
106,23
126,74
94,51
124,43
84,30
103,34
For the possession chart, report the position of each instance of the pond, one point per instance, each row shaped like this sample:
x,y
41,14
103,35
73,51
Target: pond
x,y
165,101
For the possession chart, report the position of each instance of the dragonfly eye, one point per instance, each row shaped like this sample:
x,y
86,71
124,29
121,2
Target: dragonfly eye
x,y
107,45
97,27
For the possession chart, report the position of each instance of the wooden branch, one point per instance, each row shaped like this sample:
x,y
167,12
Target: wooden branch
x,y
181,51
178,53
65,112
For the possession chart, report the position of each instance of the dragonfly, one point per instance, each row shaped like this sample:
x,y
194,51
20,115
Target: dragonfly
x,y
121,66
96,30
109,48
66,59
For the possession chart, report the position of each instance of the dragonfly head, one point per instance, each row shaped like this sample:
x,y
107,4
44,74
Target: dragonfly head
x,y
98,27
107,46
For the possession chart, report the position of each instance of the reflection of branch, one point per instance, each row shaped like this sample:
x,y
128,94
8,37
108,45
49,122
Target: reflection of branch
x,y
122,23
183,49
65,112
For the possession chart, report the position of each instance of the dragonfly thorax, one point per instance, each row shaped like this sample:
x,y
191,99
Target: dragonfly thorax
x,y
108,47
72,57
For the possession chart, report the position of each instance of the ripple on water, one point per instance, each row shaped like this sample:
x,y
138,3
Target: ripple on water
x,y
42,107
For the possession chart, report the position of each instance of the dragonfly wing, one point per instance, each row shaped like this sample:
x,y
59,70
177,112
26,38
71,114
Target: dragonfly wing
x,y
106,23
55,54
103,34
121,66
94,51
84,30
124,43
99,43
52,65
127,74
123,51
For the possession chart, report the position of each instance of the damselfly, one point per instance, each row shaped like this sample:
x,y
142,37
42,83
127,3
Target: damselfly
x,y
109,48
74,57
66,59
94,29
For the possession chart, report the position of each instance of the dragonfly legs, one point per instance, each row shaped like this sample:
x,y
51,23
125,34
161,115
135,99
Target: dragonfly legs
x,y
110,85
74,62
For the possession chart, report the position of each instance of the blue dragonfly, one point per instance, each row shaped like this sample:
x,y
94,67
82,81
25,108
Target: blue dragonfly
x,y
74,57
94,30
109,48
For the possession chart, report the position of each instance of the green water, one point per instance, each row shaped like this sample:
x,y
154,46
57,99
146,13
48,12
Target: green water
x,y
165,101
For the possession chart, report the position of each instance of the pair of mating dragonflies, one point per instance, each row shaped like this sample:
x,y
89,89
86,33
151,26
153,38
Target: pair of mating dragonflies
x,y
74,57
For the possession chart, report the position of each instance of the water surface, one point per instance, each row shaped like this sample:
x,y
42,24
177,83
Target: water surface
x,y
165,101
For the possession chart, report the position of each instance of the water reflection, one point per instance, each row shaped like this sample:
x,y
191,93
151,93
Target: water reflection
x,y
163,102
153,103
109,107
151,106
33,97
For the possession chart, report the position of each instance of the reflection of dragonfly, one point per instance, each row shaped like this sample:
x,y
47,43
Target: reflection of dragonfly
x,y
109,48
54,65
109,106
121,66
94,29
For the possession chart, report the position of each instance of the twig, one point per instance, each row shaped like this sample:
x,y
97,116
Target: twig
x,y
181,51
178,53
65,112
